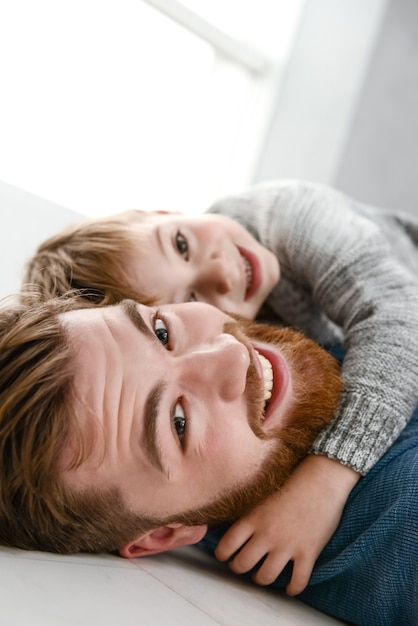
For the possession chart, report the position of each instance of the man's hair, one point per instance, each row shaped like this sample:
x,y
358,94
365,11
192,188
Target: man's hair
x,y
91,257
37,417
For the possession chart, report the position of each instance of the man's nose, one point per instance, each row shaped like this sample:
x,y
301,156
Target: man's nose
x,y
217,369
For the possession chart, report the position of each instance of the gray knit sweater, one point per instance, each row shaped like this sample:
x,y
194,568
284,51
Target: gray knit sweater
x,y
349,273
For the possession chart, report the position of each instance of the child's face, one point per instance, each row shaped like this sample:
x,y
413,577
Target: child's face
x,y
209,258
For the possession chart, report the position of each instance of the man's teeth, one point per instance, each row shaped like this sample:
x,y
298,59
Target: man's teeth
x,y
248,271
267,374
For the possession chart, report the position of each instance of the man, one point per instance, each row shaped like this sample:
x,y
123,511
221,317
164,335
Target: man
x,y
130,427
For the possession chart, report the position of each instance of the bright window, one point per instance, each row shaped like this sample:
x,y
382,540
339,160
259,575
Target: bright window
x,y
112,104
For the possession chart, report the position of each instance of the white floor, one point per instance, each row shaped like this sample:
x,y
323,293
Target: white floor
x,y
184,587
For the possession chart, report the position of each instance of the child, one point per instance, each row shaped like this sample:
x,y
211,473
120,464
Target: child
x,y
307,256
157,257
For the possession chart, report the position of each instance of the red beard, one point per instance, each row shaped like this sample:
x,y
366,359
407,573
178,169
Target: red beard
x,y
318,385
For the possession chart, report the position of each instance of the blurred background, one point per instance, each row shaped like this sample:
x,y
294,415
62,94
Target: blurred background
x,y
158,104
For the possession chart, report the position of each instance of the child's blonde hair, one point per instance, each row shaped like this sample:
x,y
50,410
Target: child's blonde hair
x,y
91,257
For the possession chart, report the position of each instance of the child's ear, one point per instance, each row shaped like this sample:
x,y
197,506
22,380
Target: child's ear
x,y
162,539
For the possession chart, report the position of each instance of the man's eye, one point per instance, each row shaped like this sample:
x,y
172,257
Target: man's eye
x,y
161,331
182,245
179,421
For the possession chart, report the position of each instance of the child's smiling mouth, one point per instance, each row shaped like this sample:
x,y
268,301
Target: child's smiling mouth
x,y
248,273
251,271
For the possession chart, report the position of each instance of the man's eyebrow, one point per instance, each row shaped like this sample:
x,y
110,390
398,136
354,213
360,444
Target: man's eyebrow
x,y
130,308
149,437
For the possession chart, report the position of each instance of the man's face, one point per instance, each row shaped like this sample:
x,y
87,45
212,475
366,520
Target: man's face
x,y
172,401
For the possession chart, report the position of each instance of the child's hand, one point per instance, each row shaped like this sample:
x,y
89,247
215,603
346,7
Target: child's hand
x,y
292,525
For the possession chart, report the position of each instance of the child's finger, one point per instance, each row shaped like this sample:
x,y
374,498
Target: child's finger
x,y
302,570
249,556
234,538
273,565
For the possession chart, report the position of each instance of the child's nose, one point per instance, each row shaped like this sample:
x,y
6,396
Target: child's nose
x,y
214,277
217,369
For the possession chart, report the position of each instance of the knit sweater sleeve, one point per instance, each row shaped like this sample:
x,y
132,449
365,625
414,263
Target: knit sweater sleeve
x,y
338,262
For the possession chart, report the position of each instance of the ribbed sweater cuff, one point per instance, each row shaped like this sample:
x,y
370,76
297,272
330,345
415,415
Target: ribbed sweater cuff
x,y
359,442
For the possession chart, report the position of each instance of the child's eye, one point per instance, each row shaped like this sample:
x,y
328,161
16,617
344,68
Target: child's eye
x,y
161,331
191,298
182,245
179,421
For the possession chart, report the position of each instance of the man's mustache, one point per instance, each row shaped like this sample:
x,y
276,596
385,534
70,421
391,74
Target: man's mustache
x,y
254,386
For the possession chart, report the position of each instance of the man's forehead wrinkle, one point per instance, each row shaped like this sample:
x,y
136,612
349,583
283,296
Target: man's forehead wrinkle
x,y
157,235
86,444
117,401
91,386
111,330
151,411
112,407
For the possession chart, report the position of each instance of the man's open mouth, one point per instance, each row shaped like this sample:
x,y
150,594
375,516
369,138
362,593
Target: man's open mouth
x,y
268,376
267,379
276,379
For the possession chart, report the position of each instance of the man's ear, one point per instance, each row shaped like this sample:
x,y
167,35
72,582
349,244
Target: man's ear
x,y
162,539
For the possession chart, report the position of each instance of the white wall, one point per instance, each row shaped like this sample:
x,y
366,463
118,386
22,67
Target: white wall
x,y
26,220
346,114
379,163
321,89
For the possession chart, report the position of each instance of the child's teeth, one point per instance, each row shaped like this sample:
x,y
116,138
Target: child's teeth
x,y
248,270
